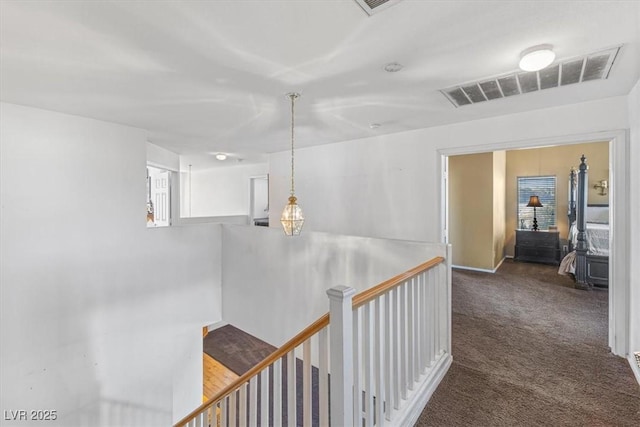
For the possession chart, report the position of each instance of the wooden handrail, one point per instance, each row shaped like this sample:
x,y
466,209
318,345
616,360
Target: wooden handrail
x,y
308,332
371,293
358,300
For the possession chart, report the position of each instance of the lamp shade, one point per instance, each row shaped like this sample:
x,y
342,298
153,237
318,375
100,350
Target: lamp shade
x,y
534,202
292,218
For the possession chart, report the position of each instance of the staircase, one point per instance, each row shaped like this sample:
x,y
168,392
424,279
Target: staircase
x,y
374,359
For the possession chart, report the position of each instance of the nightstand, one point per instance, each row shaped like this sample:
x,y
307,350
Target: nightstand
x,y
538,246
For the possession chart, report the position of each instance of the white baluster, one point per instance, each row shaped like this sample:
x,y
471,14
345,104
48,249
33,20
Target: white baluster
x,y
397,353
388,364
233,419
432,319
424,361
379,362
368,366
403,340
306,382
437,311
291,389
341,357
264,397
357,386
417,328
253,401
224,412
323,376
410,334
277,392
242,413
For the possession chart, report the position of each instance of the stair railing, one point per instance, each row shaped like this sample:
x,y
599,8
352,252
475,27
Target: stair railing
x,y
380,359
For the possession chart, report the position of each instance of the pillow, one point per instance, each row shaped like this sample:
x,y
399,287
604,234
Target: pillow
x,y
597,214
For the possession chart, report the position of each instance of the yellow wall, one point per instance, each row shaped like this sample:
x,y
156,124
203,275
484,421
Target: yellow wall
x,y
483,196
476,209
556,161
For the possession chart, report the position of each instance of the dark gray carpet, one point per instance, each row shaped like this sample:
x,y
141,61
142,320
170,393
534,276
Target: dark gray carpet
x,y
236,349
529,350
240,351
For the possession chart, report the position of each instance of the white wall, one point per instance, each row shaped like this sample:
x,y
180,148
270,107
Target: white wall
x,y
389,186
97,311
634,125
163,158
270,291
260,197
222,191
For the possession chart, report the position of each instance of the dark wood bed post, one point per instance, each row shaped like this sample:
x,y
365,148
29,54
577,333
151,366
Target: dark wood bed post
x,y
573,179
581,223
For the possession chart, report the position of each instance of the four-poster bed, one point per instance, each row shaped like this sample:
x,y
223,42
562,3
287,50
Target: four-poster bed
x,y
588,234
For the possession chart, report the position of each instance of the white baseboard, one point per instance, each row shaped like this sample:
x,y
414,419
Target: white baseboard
x,y
408,415
499,264
482,270
214,326
634,366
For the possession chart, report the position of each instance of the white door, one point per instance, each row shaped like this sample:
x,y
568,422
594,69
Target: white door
x,y
160,196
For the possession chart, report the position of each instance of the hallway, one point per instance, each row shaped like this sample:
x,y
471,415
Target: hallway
x,y
528,349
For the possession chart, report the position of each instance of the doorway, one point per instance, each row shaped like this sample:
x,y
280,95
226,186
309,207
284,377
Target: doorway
x,y
619,285
158,197
259,200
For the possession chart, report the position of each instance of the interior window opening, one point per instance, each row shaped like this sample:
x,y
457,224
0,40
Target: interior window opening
x,y
158,197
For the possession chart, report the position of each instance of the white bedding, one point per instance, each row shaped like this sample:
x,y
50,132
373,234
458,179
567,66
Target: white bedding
x,y
597,237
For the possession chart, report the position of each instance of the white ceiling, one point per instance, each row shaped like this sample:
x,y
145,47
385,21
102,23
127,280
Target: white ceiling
x,y
211,76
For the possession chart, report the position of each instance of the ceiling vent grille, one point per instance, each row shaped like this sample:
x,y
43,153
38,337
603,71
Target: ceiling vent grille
x,y
595,66
375,6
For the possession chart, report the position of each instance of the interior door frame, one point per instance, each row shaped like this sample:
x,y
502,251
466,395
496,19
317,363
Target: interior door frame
x,y
619,240
252,180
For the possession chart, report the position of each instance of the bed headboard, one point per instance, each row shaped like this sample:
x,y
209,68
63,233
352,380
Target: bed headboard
x,y
597,214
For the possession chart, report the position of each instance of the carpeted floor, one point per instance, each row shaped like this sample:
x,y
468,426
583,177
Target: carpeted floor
x,y
240,351
236,349
529,350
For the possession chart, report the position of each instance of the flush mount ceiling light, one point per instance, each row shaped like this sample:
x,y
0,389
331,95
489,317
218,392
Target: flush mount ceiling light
x,y
374,125
221,156
537,57
292,217
393,67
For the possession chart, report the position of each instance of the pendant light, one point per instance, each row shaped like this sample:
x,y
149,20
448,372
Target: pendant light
x,y
292,217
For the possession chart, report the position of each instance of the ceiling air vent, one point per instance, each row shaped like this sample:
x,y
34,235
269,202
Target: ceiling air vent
x,y
375,6
595,66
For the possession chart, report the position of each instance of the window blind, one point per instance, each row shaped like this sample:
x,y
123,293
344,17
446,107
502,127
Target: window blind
x,y
545,188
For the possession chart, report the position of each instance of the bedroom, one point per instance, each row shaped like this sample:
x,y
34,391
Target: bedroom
x,y
483,218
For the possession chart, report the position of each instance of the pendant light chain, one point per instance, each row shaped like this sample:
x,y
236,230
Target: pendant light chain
x,y
293,97
292,217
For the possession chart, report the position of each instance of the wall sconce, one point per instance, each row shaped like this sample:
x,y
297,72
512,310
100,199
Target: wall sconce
x,y
602,185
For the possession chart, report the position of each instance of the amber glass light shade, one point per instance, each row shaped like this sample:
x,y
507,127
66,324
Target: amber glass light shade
x,y
292,218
